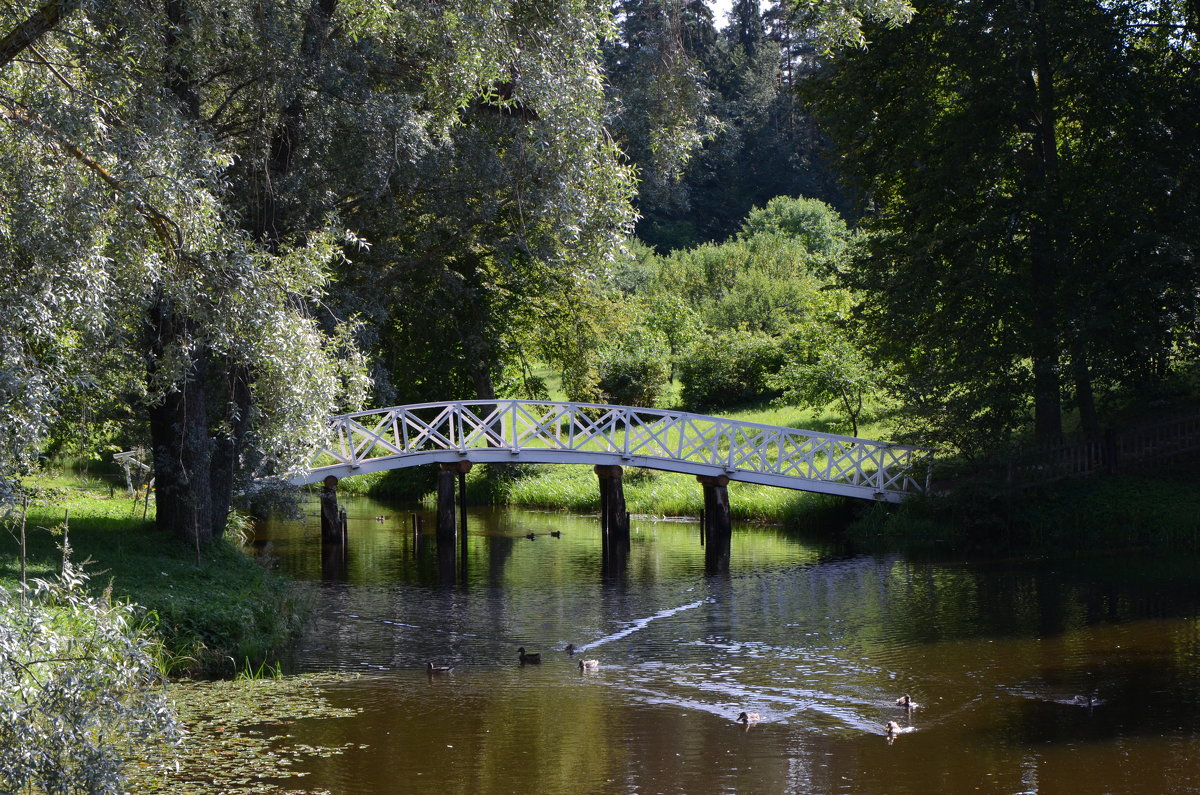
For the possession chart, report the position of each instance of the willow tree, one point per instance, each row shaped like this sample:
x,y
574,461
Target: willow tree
x,y
182,176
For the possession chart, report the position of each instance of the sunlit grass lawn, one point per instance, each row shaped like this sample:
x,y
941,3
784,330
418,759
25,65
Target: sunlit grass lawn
x,y
212,615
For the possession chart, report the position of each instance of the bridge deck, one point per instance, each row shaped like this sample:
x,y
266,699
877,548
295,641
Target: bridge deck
x,y
524,431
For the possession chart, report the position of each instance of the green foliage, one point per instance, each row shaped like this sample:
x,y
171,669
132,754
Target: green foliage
x,y
812,223
711,119
80,688
759,316
824,367
633,369
1112,512
729,369
227,608
1028,232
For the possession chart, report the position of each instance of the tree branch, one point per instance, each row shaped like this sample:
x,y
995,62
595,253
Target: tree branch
x,y
32,29
167,231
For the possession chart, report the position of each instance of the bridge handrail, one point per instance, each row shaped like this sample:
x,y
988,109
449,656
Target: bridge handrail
x,y
639,410
540,430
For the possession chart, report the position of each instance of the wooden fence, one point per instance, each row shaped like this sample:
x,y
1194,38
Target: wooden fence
x,y
1118,451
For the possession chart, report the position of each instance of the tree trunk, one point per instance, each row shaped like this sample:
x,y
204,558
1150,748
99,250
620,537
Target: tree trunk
x,y
33,28
1045,249
230,442
179,434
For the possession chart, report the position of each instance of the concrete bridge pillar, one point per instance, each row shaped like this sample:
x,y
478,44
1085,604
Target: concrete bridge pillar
x,y
718,529
614,519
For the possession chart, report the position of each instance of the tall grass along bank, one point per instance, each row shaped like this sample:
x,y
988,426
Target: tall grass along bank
x,y
213,611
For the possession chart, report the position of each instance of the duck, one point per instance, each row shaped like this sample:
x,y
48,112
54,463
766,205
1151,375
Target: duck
x,y
907,702
556,533
438,669
532,659
381,518
748,718
589,665
531,536
894,729
570,648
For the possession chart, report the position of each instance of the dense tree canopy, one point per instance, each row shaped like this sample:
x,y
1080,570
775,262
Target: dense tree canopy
x,y
223,221
184,179
1030,172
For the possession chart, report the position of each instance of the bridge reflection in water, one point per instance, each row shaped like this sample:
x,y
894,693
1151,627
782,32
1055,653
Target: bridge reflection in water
x,y
455,435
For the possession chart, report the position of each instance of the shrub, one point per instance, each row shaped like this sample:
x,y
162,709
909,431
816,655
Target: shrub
x,y
79,688
634,369
729,370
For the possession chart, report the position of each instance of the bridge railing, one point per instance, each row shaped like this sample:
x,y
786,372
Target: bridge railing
x,y
497,430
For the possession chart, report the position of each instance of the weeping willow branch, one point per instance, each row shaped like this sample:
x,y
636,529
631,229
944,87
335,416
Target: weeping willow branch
x,y
165,229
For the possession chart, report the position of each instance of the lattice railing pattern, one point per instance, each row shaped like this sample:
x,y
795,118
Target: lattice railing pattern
x,y
543,431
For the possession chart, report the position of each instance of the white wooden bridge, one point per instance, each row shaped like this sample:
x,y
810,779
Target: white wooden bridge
x,y
527,431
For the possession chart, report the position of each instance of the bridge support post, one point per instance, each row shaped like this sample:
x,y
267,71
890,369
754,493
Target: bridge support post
x,y
447,531
614,519
332,531
718,530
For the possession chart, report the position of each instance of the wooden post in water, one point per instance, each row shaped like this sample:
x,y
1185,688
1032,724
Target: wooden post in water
x,y
463,468
718,530
614,519
331,521
445,502
448,533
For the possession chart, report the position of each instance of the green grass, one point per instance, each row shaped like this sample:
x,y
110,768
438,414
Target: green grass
x,y
654,493
228,608
552,379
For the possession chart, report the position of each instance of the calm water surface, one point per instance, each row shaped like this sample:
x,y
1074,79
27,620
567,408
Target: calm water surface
x,y
1001,656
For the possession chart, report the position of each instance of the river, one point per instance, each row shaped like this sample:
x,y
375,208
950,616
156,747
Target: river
x,y
1067,675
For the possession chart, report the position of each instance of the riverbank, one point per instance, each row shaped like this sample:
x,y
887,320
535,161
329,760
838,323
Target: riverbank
x,y
1140,511
216,613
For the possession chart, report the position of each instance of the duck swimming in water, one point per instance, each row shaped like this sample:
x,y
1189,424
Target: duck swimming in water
x,y
748,718
570,648
438,669
589,665
892,729
907,702
532,659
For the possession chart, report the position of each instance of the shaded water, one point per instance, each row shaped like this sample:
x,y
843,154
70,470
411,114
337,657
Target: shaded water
x,y
1002,656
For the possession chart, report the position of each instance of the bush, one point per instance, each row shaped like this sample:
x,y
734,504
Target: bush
x,y
729,370
79,688
633,371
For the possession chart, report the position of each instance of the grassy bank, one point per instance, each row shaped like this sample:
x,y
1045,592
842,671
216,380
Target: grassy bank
x,y
213,615
1113,512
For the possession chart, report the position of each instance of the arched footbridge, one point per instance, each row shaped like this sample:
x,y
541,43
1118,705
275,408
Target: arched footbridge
x,y
528,431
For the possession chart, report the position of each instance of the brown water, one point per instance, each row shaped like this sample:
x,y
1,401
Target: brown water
x,y
1002,657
